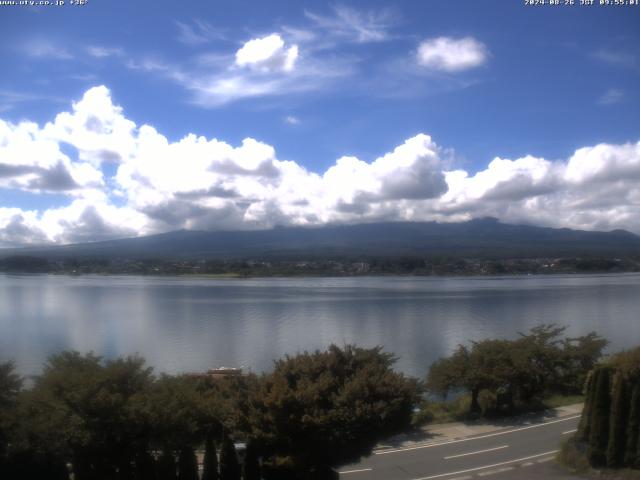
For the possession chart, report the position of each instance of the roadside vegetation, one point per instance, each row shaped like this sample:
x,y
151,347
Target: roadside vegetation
x,y
115,419
540,369
84,417
608,436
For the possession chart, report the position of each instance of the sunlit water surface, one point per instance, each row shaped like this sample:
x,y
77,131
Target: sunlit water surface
x,y
189,324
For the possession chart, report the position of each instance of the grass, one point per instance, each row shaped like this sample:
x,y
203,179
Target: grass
x,y
573,458
442,412
555,401
457,410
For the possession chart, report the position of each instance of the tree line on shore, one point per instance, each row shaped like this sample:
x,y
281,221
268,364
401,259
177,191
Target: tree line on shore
x,y
115,419
341,265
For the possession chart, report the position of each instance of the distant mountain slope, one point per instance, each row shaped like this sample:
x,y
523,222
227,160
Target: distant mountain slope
x,y
476,238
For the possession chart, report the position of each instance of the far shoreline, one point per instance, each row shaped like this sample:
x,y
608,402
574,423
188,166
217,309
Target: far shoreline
x,y
237,276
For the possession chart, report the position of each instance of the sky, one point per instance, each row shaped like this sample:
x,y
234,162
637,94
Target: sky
x,y
121,118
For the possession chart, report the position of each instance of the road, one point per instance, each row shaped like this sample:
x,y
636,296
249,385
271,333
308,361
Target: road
x,y
479,456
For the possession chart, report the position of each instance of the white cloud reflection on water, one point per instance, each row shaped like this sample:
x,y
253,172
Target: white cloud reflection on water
x,y
181,324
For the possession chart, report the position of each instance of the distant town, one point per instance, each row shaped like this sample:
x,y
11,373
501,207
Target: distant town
x,y
321,267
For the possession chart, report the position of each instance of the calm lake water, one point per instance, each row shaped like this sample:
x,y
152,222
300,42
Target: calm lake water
x,y
184,324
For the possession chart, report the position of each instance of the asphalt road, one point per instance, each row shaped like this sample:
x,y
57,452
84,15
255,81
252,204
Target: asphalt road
x,y
497,453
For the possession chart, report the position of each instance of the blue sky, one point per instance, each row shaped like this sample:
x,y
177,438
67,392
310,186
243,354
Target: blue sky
x,y
349,111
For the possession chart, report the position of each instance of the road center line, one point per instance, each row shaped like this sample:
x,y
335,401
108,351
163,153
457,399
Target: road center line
x,y
355,471
493,472
543,460
570,431
475,453
487,466
430,445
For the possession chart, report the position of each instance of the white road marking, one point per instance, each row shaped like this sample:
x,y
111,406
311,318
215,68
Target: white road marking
x,y
466,477
497,470
488,466
527,464
479,451
570,431
429,445
356,471
543,460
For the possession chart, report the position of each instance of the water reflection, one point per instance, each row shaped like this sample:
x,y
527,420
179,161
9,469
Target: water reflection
x,y
182,324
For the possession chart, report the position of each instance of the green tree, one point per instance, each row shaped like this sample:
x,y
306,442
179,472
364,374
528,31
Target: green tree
x,y
224,404
627,366
10,385
26,464
171,410
636,464
599,430
628,362
520,371
210,464
541,360
251,466
187,464
167,466
79,409
587,411
324,408
486,365
145,466
229,466
579,356
447,374
493,367
631,457
618,421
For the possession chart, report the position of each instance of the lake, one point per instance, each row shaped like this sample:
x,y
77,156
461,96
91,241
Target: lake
x,y
191,324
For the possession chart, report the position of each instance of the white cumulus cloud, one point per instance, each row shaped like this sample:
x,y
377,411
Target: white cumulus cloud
x,y
267,54
452,54
197,182
262,67
31,160
291,120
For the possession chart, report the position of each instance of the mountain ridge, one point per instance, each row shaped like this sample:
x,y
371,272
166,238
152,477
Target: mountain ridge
x,y
486,237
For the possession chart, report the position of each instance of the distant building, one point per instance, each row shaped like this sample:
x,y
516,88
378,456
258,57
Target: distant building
x,y
218,373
